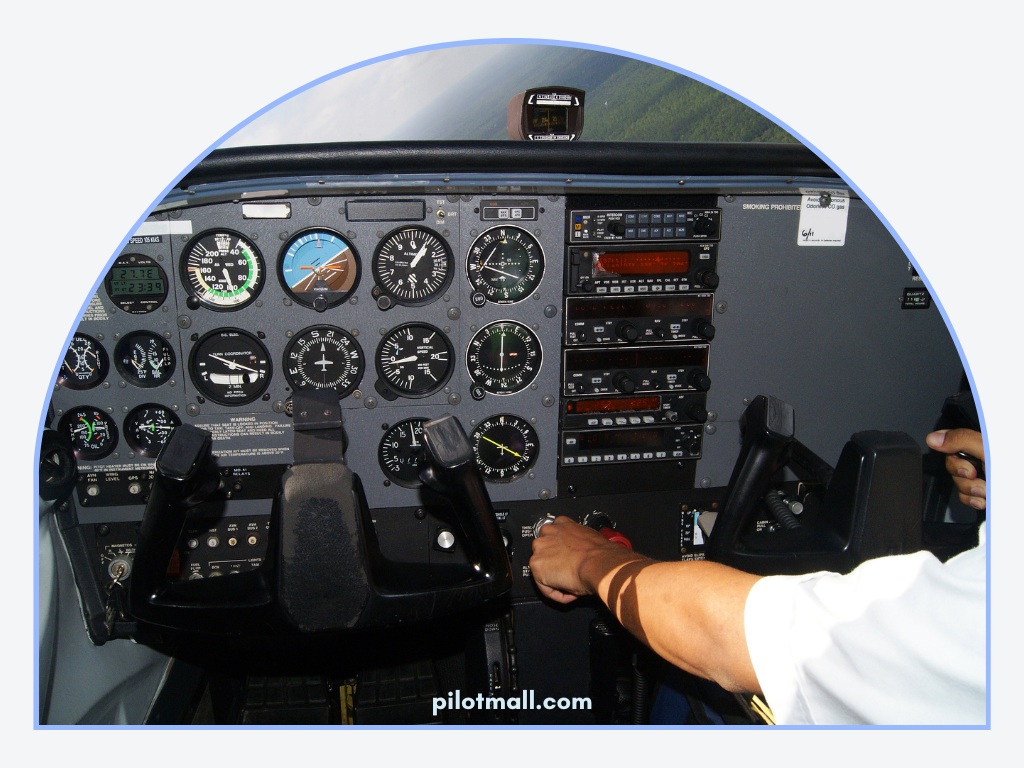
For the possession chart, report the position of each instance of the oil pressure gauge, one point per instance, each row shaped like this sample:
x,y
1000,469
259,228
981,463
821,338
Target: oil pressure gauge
x,y
92,432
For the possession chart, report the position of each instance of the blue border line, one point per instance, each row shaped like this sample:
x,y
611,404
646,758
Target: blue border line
x,y
562,44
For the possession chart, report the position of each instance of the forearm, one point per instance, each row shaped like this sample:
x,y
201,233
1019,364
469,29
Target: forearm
x,y
689,613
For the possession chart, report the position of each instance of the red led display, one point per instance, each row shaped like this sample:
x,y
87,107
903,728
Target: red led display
x,y
613,405
642,263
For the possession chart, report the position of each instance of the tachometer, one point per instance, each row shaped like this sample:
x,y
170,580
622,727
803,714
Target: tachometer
x,y
144,359
222,270
85,363
505,447
147,428
414,360
413,266
93,433
324,357
401,452
504,357
505,264
319,268
230,366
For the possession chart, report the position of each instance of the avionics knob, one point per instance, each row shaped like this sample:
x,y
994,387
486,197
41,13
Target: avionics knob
x,y
709,278
617,228
698,413
627,331
699,380
704,226
623,383
705,330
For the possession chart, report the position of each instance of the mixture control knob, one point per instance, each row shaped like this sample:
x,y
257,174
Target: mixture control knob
x,y
698,413
603,524
623,383
546,520
699,380
617,228
705,330
627,331
709,278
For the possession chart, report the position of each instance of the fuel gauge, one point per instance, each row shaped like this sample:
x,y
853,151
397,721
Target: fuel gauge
x,y
144,359
85,363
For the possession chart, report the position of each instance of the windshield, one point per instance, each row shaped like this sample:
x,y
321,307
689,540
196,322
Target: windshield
x,y
462,94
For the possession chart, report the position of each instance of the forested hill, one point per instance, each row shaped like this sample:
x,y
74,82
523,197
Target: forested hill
x,y
627,100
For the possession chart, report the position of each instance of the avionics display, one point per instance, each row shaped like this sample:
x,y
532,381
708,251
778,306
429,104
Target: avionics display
x,y
614,405
657,357
133,281
642,263
653,306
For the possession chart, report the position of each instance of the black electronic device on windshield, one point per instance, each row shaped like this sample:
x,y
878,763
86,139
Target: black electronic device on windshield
x,y
549,113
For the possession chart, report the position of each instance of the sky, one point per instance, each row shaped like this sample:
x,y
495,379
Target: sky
x,y
383,96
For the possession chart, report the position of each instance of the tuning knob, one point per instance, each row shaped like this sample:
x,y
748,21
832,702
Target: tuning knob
x,y
627,331
623,383
709,278
705,330
698,413
617,228
699,380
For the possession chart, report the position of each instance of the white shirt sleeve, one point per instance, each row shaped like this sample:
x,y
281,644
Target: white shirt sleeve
x,y
900,640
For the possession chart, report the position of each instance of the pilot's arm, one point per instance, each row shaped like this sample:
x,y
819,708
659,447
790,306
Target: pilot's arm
x,y
899,640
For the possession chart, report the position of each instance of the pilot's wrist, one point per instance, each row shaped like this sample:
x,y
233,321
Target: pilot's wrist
x,y
597,572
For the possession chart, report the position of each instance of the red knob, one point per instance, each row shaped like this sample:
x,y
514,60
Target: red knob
x,y
614,536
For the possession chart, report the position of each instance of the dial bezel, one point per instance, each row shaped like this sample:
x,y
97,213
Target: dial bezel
x,y
477,434
285,361
482,331
299,297
139,449
261,275
483,290
89,455
442,380
104,365
197,381
380,453
434,295
126,374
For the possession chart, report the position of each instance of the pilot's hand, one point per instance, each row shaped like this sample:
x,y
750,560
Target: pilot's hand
x,y
952,441
570,559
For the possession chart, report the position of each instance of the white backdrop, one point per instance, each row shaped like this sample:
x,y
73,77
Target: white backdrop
x,y
107,104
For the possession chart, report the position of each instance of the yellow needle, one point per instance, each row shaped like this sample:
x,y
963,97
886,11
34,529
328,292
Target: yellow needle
x,y
485,437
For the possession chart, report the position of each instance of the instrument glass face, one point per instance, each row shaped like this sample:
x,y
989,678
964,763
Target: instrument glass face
x,y
415,360
222,270
144,359
505,264
413,265
505,447
85,363
92,432
401,451
324,357
319,268
504,357
230,366
147,428
136,284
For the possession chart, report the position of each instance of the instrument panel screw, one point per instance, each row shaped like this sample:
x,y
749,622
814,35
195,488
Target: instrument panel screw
x,y
705,482
547,401
544,493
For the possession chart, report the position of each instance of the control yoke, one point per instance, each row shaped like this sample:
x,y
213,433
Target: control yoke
x,y
324,568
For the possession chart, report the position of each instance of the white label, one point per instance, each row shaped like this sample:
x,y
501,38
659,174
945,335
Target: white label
x,y
165,228
822,220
